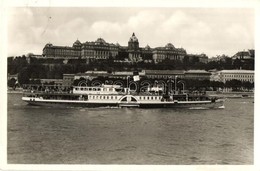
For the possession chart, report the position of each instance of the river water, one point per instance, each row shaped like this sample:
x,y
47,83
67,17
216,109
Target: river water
x,y
42,135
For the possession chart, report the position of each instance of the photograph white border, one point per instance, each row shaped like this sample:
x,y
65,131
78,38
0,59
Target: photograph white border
x,y
6,4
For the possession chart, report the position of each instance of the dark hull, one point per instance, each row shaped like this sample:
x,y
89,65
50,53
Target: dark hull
x,y
128,105
187,105
67,104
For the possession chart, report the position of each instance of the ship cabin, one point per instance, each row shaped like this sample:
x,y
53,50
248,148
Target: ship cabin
x,y
104,89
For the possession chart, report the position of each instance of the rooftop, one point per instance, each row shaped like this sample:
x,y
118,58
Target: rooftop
x,y
237,71
196,71
164,72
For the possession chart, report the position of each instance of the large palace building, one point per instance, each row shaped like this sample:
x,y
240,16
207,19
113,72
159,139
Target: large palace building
x,y
100,49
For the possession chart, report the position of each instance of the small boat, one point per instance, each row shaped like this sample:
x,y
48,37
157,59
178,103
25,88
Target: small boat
x,y
117,96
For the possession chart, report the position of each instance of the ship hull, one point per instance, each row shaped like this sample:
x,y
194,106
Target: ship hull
x,y
71,103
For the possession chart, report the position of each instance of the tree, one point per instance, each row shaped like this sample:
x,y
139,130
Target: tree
x,y
11,83
23,76
216,85
234,84
247,85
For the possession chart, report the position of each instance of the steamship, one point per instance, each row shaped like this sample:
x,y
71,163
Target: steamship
x,y
117,96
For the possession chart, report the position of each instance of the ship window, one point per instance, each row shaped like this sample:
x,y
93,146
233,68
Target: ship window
x,y
90,89
81,88
148,98
151,98
76,88
98,89
94,89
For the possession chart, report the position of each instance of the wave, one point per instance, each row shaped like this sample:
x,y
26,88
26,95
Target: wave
x,y
198,108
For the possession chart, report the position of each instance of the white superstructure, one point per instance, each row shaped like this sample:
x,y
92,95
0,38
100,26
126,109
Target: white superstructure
x,y
104,89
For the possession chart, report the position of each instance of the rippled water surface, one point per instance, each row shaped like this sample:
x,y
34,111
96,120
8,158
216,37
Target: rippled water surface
x,y
41,135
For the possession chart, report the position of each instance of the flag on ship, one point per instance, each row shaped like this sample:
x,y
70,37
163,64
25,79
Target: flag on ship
x,y
136,76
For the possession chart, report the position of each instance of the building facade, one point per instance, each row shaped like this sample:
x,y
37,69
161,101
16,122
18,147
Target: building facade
x,y
168,52
245,55
150,74
241,75
101,50
197,75
164,74
52,51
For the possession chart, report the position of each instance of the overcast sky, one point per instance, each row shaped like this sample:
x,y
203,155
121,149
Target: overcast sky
x,y
213,31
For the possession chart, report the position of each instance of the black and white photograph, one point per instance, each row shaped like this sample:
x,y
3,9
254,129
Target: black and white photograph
x,y
129,85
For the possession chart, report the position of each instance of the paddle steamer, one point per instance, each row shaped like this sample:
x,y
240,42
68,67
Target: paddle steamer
x,y
117,96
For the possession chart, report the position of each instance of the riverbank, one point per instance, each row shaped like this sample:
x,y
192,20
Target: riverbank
x,y
16,91
231,94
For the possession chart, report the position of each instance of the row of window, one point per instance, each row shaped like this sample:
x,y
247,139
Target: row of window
x,y
87,89
163,76
104,97
118,97
168,51
100,47
239,76
149,98
241,79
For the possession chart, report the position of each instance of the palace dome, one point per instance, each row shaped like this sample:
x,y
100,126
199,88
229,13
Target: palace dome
x,y
147,47
133,38
169,46
77,42
48,45
100,41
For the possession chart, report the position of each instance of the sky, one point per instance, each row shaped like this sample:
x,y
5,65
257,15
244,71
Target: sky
x,y
213,31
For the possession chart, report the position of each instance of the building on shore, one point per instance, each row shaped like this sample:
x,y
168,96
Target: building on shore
x,y
101,50
55,82
227,75
197,75
150,74
164,74
245,55
168,52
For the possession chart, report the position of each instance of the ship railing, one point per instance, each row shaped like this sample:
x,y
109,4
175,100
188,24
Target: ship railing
x,y
46,92
38,88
